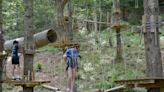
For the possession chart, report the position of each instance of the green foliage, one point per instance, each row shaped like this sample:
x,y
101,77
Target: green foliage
x,y
39,67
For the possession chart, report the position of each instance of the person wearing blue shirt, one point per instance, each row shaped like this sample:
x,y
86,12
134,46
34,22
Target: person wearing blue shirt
x,y
71,57
15,59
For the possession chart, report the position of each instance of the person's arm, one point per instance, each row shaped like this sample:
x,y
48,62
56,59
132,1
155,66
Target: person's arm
x,y
79,55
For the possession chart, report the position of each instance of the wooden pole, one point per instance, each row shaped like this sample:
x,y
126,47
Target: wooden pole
x,y
29,44
151,40
1,44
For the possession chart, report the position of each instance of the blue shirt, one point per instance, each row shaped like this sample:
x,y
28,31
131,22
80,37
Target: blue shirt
x,y
15,51
72,53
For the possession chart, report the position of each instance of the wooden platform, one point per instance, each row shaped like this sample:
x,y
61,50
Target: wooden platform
x,y
24,83
146,82
2,55
119,26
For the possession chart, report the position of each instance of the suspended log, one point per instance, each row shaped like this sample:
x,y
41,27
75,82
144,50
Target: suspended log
x,y
51,88
41,39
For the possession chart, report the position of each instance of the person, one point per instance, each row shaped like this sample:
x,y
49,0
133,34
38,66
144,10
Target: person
x,y
15,60
71,56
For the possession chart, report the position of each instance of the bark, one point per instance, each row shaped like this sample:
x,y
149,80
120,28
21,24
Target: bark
x,y
95,26
110,31
115,20
70,27
119,57
1,44
29,43
151,40
61,23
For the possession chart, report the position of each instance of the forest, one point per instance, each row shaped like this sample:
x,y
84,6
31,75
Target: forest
x,y
117,45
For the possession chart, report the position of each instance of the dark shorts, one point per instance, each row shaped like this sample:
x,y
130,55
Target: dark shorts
x,y
15,60
72,63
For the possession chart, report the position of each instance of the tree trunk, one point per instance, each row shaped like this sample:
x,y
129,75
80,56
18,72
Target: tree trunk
x,y
151,40
110,31
115,20
95,26
29,47
61,24
70,27
119,47
1,44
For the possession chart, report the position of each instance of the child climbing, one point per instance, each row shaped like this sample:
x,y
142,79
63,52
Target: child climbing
x,y
71,56
15,61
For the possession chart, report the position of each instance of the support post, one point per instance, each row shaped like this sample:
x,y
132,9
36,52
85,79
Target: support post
x,y
29,46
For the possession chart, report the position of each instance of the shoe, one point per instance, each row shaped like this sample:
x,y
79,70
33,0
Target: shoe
x,y
18,78
13,78
67,90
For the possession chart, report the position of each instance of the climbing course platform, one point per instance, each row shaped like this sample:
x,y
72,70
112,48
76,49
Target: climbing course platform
x,y
119,25
145,82
2,55
25,83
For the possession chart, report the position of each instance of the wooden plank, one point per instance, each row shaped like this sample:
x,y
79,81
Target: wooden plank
x,y
138,81
146,83
50,88
118,88
25,83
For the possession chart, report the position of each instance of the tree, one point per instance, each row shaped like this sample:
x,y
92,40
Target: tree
x,y
61,22
70,27
29,43
116,22
1,44
151,40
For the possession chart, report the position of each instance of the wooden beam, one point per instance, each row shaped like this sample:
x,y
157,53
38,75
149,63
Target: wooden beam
x,y
146,83
91,21
51,88
116,89
25,83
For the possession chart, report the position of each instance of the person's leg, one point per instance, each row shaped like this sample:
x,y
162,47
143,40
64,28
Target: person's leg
x,y
13,71
73,78
18,71
69,78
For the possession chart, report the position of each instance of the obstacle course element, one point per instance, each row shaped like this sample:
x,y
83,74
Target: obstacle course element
x,y
51,88
147,83
41,39
24,83
116,89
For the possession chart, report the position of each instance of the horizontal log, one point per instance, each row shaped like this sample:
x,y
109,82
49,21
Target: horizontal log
x,y
116,89
40,39
51,88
